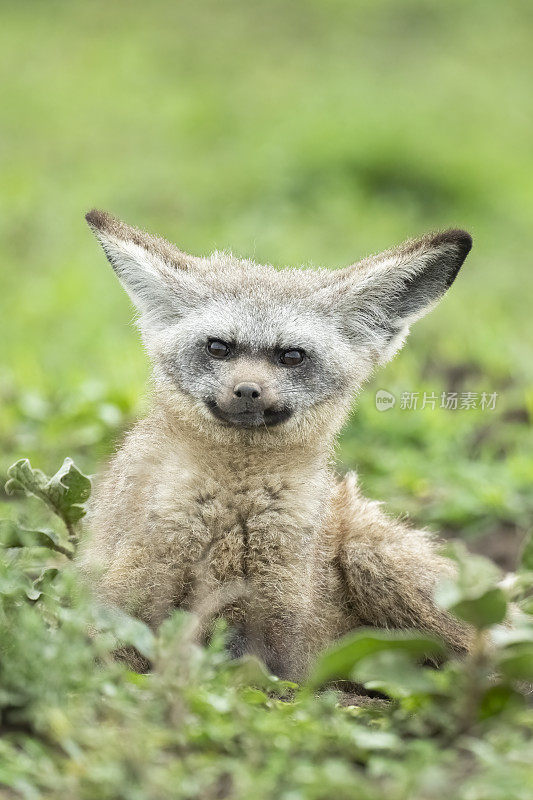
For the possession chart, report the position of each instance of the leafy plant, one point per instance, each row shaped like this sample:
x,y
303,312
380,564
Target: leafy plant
x,y
75,722
64,493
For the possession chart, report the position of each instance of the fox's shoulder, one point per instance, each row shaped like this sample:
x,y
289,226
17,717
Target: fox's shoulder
x,y
357,518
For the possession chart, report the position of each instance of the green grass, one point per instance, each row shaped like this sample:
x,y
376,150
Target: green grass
x,y
295,133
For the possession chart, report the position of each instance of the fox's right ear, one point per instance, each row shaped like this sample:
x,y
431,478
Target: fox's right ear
x,y
156,275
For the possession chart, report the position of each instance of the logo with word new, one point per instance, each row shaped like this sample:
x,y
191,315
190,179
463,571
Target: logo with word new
x,y
384,400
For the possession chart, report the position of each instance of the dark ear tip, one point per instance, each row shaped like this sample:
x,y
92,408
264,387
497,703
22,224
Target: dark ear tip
x,y
98,219
456,236
462,242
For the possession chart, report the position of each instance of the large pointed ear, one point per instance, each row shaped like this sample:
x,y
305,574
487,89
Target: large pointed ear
x,y
377,299
159,278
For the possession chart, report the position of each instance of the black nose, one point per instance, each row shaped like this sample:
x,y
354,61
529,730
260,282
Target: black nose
x,y
249,391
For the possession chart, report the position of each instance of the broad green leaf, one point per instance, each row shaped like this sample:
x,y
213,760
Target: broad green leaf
x,y
368,739
253,696
338,662
65,492
137,678
473,595
475,575
23,478
395,673
507,637
42,583
68,490
518,664
14,583
517,585
11,535
126,629
498,699
33,593
484,611
250,671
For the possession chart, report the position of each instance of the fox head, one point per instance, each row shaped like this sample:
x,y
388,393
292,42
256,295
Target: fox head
x,y
255,350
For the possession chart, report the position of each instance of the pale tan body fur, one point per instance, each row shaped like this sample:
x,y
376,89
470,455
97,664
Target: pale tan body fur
x,y
176,521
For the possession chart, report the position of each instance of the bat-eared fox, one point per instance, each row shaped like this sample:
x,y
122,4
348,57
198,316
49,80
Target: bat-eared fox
x,y
224,498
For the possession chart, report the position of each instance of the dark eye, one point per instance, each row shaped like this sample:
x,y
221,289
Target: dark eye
x,y
291,358
217,349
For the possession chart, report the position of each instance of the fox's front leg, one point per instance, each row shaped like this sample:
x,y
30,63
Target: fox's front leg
x,y
277,625
391,571
147,588
146,572
122,575
277,634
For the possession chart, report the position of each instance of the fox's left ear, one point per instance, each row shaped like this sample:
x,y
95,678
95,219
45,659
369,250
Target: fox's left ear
x,y
160,279
377,299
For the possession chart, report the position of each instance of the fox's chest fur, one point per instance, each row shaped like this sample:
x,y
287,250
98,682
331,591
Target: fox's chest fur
x,y
249,552
239,541
238,528
251,527
209,525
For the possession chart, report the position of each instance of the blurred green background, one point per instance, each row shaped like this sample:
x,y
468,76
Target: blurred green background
x,y
294,133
